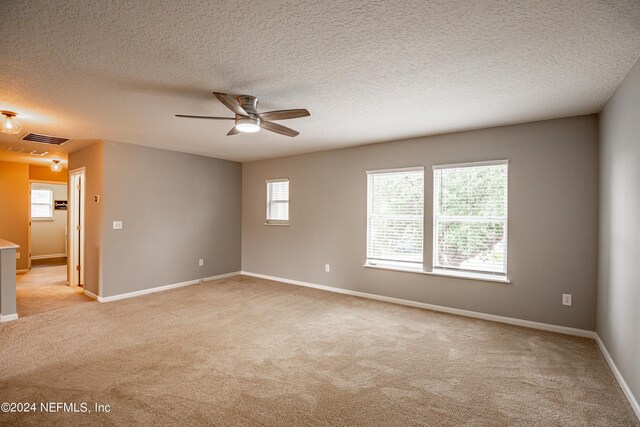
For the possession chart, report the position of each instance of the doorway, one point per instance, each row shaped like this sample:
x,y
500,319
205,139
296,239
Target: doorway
x,y
47,284
47,223
76,227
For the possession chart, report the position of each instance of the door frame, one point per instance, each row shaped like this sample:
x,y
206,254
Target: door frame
x,y
76,190
66,246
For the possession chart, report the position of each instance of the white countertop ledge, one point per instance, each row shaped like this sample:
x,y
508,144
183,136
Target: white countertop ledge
x,y
5,244
444,274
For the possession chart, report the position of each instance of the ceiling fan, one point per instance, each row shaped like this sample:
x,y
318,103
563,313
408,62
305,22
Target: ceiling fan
x,y
247,117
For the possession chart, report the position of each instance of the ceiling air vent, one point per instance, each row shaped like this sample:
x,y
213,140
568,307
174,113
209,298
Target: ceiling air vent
x,y
45,139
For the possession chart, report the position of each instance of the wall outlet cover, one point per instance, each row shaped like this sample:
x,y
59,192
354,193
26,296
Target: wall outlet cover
x,y
566,299
327,268
117,225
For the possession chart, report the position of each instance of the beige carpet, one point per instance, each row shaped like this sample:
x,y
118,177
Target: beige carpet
x,y
44,288
253,352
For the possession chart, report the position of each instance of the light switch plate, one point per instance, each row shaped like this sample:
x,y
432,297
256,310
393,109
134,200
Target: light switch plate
x,y
117,225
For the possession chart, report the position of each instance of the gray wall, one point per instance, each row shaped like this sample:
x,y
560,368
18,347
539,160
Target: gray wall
x,y
619,268
553,205
7,279
176,208
91,158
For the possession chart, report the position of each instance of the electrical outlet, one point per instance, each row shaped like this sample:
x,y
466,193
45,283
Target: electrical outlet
x,y
566,299
17,255
117,225
201,262
327,268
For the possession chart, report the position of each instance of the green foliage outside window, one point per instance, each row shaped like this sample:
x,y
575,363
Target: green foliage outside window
x,y
471,217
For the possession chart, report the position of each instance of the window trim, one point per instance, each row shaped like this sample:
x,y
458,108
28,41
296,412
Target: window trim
x,y
393,264
471,164
41,218
395,170
279,222
450,272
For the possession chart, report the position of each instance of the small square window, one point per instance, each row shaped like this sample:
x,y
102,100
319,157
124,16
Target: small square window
x,y
278,201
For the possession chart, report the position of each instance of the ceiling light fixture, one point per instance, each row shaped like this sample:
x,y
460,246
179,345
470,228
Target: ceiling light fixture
x,y
10,125
248,124
56,166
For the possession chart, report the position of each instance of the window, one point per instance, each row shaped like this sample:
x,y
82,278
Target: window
x,y
41,204
278,201
395,218
470,218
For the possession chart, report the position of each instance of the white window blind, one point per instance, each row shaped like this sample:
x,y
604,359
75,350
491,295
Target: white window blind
x,y
395,217
470,218
41,204
277,201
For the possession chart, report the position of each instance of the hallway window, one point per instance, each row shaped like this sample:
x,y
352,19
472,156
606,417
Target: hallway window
x,y
41,204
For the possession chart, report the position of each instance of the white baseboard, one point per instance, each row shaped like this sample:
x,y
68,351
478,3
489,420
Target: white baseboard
x,y
159,288
48,256
8,317
616,373
440,308
90,294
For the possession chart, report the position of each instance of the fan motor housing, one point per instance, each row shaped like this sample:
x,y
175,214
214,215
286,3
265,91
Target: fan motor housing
x,y
248,103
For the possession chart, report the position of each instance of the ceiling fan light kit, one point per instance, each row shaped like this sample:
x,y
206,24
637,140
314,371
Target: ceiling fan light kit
x,y
248,124
247,118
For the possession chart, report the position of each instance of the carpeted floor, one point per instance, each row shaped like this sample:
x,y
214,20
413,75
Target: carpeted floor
x,y
44,288
254,352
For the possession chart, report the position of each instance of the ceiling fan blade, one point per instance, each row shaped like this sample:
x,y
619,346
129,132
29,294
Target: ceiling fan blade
x,y
231,103
204,117
284,114
234,131
274,127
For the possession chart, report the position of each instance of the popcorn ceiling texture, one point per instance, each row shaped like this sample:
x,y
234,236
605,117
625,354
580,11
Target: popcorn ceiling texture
x,y
368,71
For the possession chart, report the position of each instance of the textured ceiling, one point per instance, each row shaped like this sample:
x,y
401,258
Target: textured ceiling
x,y
368,71
13,149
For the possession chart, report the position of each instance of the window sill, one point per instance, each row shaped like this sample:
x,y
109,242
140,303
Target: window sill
x,y
41,219
481,277
283,224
